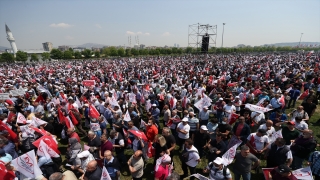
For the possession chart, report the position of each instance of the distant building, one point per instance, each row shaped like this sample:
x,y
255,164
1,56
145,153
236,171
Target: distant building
x,y
47,46
95,49
63,48
12,41
175,45
136,46
78,49
178,45
142,46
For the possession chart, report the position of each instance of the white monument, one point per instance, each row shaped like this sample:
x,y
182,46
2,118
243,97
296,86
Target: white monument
x,y
12,41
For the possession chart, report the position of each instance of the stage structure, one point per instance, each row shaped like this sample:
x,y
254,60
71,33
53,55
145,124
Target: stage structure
x,y
202,36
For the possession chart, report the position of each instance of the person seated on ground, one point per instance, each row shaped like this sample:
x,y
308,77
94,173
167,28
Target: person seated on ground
x,y
67,175
85,157
73,150
282,172
217,170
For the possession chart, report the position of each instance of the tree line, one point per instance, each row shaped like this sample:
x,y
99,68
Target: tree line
x,y
129,52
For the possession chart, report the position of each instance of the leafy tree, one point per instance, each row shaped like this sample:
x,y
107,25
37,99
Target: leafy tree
x,y
21,56
168,51
174,50
45,56
77,55
67,55
56,54
189,50
87,53
121,52
135,52
179,51
106,52
113,51
7,57
97,54
128,52
34,57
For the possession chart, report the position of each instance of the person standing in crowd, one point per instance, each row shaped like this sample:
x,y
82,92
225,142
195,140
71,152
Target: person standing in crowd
x,y
258,142
155,112
170,140
136,165
189,158
202,139
166,114
112,165
162,169
94,143
204,115
151,130
93,171
294,94
309,107
183,129
241,130
278,153
105,145
225,130
194,125
289,132
302,147
216,148
243,164
118,144
314,162
268,126
217,170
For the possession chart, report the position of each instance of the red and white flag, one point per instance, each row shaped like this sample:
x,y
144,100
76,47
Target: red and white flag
x,y
12,135
230,154
256,108
27,165
89,83
303,173
132,98
260,102
173,102
21,119
304,94
127,116
105,175
93,112
50,141
232,118
282,101
45,150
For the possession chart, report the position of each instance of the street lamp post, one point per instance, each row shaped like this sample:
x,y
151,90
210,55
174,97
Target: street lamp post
x,y
300,39
222,33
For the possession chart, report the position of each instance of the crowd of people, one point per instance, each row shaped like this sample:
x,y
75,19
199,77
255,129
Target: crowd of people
x,y
194,107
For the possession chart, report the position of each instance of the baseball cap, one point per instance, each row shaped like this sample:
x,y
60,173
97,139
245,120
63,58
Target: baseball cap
x,y
203,127
218,161
184,120
154,105
237,97
291,123
220,99
283,168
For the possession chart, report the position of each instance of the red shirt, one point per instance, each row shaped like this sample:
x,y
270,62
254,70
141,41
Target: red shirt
x,y
162,172
75,135
151,132
106,146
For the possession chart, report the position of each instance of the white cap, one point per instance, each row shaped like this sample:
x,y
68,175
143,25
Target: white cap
x,y
203,127
154,105
185,120
218,161
237,97
220,99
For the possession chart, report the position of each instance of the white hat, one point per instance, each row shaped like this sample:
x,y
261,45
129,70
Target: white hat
x,y
218,161
220,99
83,154
205,107
185,120
237,97
165,159
154,105
203,127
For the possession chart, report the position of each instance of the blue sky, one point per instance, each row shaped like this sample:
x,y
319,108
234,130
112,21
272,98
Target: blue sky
x,y
159,23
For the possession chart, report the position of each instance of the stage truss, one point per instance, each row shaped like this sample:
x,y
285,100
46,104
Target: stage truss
x,y
197,31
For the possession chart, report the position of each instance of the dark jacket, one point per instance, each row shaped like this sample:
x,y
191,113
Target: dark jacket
x,y
303,147
244,133
277,156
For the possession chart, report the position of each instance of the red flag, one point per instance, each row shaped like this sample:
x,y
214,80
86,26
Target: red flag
x,y
257,92
89,83
49,141
282,101
93,112
139,134
171,102
253,144
40,131
39,99
61,117
62,95
304,94
3,169
73,118
10,116
12,135
232,84
151,151
232,118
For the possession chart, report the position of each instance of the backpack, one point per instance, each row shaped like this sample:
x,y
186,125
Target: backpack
x,y
185,155
224,170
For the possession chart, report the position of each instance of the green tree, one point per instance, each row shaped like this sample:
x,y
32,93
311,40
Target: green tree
x,y
97,54
128,52
113,51
7,57
135,52
45,56
34,57
77,55
121,52
21,56
189,50
174,50
106,52
56,54
87,53
67,55
179,51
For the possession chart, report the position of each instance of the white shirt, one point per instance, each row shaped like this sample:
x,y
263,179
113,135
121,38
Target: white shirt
x,y
238,103
259,141
229,109
257,116
185,128
301,126
193,157
269,132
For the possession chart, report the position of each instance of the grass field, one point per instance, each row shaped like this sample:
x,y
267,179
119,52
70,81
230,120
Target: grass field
x,y
125,174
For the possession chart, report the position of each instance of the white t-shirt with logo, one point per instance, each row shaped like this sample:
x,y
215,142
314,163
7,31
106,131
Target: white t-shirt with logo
x,y
259,141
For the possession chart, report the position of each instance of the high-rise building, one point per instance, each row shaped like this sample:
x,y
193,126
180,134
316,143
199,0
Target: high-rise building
x,y
63,48
178,45
47,46
11,41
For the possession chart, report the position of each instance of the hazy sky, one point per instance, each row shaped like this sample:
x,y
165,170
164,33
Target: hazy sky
x,y
157,22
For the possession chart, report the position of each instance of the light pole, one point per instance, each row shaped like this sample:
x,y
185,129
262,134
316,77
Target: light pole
x,y
300,39
222,33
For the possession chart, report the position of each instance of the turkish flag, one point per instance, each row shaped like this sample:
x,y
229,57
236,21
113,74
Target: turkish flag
x,y
61,116
139,134
151,151
12,135
10,116
73,118
40,131
257,92
282,101
93,112
39,99
232,84
49,141
89,83
232,118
